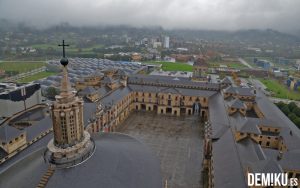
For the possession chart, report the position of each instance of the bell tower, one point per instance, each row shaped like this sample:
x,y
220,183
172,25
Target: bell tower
x,y
70,142
67,112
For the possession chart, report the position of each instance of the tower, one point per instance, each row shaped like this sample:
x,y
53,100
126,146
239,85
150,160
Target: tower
x,y
200,68
70,143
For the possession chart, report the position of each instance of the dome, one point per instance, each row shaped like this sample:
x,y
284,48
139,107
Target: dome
x,y
118,161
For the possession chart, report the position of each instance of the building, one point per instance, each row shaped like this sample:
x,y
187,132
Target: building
x,y
200,68
246,133
15,98
136,57
167,42
111,159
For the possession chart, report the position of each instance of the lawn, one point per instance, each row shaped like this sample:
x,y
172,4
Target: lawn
x,y
20,66
169,66
236,65
36,77
279,90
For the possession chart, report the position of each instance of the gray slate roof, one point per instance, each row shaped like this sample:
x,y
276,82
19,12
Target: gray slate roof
x,y
118,161
237,103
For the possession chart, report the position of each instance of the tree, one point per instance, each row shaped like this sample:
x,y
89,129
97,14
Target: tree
x,y
51,92
291,106
280,105
292,117
286,110
297,122
296,111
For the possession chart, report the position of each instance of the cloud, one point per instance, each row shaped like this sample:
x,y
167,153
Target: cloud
x,y
195,14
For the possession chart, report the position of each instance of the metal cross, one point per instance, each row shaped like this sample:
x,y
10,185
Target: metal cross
x,y
63,45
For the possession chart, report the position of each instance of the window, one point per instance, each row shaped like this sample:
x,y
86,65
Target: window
x,y
268,144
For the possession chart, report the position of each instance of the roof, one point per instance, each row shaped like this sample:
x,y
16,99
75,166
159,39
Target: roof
x,y
224,148
168,81
226,80
8,133
116,96
87,90
249,126
118,161
266,166
161,89
290,160
243,91
237,103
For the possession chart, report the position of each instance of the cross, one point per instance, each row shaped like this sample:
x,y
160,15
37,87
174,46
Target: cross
x,y
63,45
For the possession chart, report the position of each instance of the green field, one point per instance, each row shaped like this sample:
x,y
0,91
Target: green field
x,y
236,65
279,90
36,77
169,66
20,66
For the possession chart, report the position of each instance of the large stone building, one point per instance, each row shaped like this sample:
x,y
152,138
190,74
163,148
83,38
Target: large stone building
x,y
74,158
244,132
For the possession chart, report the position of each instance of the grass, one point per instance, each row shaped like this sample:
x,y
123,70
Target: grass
x,y
279,90
21,66
36,77
237,65
169,66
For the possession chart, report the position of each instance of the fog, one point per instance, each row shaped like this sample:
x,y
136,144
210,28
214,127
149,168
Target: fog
x,y
281,15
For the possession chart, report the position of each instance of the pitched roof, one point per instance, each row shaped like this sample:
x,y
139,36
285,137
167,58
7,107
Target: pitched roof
x,y
226,80
8,133
237,103
249,126
266,166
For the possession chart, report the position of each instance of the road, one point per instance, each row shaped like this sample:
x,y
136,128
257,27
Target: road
x,y
245,63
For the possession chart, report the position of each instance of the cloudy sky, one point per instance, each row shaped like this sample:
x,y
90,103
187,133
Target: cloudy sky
x,y
283,15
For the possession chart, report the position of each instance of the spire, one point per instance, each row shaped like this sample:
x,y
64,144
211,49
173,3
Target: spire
x,y
65,90
71,144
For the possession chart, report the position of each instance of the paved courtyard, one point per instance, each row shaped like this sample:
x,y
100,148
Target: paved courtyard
x,y
177,141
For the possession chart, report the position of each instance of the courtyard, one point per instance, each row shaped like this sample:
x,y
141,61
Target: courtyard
x,y
177,142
